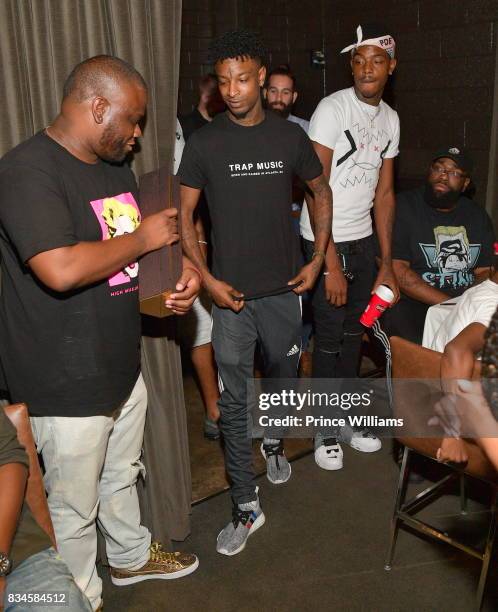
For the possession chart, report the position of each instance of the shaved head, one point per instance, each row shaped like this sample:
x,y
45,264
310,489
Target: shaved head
x,y
97,75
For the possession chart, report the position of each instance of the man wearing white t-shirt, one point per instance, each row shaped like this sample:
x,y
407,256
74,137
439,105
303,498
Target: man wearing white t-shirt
x,y
356,136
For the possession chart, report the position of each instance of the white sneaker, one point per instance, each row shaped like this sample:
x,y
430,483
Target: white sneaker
x,y
329,455
363,440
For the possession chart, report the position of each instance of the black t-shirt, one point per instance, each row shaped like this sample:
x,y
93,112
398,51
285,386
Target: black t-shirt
x,y
73,353
191,123
442,247
247,173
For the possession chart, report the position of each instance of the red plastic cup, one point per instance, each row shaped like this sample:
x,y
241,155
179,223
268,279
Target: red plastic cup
x,y
379,301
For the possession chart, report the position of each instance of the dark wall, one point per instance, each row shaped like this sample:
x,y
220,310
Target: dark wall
x,y
443,86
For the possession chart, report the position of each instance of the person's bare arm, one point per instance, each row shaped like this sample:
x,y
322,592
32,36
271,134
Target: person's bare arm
x,y
457,363
490,447
414,286
201,236
322,220
384,210
336,286
13,477
71,267
186,289
470,407
322,211
482,274
222,293
459,355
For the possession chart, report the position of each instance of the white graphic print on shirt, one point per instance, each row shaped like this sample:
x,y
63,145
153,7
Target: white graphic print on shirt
x,y
361,136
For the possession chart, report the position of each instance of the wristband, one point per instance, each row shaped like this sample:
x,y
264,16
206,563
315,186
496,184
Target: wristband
x,y
202,242
320,253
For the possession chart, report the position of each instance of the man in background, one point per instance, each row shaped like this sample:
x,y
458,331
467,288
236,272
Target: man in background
x,y
209,105
281,94
442,242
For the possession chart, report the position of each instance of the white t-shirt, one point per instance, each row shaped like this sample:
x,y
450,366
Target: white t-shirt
x,y
476,305
179,146
361,136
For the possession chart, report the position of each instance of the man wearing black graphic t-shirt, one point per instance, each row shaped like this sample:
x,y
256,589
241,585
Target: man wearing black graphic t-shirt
x,y
245,160
70,238
442,243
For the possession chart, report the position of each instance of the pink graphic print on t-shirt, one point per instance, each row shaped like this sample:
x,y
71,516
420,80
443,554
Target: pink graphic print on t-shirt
x,y
118,215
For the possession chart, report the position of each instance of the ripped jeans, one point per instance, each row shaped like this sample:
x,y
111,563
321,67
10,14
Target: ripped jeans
x,y
91,468
338,331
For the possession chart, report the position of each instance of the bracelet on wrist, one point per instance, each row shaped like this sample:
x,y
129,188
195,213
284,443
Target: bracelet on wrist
x,y
317,253
202,242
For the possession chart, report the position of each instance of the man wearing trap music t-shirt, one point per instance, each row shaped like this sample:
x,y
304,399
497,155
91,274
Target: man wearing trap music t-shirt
x,y
245,160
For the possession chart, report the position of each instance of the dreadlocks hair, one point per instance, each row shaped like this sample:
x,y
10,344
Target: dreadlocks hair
x,y
238,44
282,70
489,371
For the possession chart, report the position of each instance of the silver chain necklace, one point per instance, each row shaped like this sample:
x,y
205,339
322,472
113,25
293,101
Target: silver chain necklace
x,y
370,118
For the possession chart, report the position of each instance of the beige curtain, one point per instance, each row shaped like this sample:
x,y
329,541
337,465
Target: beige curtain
x,y
40,42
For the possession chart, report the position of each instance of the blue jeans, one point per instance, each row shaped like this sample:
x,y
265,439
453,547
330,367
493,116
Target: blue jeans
x,y
44,572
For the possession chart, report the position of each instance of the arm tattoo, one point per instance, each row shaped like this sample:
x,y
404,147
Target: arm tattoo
x,y
322,211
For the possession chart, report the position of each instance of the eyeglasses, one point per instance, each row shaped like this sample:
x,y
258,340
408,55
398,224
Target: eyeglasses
x,y
438,170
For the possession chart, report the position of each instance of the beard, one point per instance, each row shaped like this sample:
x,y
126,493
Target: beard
x,y
441,200
112,147
280,108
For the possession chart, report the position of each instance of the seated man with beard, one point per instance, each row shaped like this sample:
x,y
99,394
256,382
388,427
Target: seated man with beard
x,y
442,243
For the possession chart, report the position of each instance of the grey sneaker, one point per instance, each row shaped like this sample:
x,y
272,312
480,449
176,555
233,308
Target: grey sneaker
x,y
246,518
278,469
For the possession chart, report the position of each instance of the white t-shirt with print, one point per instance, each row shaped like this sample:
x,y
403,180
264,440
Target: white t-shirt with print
x,y
476,305
361,136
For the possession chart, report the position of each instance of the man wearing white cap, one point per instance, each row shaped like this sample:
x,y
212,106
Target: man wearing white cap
x,y
356,135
